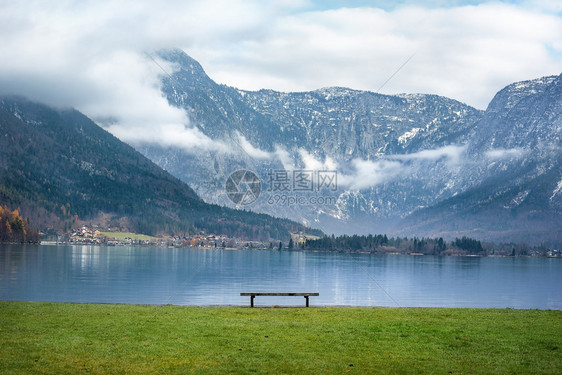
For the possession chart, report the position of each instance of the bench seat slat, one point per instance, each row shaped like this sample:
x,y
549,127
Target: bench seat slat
x,y
279,294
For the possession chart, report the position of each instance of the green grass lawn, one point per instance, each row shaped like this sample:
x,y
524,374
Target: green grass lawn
x,y
128,339
133,236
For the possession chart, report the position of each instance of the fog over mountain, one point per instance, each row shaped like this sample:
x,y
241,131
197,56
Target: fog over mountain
x,y
411,164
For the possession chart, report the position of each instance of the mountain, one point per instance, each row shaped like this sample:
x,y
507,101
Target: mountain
x,y
340,124
60,168
409,164
520,192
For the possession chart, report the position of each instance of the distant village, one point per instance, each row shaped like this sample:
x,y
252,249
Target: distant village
x,y
92,235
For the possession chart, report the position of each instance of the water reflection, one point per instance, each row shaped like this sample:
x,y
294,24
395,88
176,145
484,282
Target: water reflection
x,y
206,277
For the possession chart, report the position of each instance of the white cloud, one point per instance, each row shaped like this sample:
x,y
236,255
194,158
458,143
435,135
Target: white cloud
x,y
501,153
189,139
139,114
363,174
467,53
90,54
311,163
368,173
284,157
452,153
250,150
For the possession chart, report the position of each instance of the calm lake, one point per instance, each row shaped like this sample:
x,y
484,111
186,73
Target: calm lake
x,y
145,275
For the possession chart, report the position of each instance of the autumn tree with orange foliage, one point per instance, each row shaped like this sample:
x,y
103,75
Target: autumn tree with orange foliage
x,y
15,229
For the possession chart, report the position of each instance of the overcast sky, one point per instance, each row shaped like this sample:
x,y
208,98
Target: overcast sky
x,y
90,54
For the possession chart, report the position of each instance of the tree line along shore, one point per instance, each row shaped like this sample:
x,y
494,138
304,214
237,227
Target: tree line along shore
x,y
15,229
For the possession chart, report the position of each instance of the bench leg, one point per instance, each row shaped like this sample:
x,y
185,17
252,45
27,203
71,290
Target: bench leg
x,y
252,301
306,297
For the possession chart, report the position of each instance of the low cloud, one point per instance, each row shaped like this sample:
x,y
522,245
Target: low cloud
x,y
452,153
311,163
280,153
252,151
140,114
367,173
284,156
501,153
178,135
360,174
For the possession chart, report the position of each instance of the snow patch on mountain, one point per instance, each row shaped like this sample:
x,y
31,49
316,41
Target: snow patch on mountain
x,y
519,198
556,190
409,135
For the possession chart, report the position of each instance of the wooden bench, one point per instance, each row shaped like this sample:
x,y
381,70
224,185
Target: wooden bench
x,y
253,295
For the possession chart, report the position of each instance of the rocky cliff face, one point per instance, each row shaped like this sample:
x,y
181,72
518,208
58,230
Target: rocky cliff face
x,y
398,159
518,195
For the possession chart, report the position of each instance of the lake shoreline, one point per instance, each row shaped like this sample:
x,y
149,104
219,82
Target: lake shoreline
x,y
452,254
275,306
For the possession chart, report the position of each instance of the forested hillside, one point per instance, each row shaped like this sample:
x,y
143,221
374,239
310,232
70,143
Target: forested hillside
x,y
61,169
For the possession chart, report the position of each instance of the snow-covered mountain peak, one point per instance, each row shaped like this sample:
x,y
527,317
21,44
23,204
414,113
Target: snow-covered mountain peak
x,y
404,151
